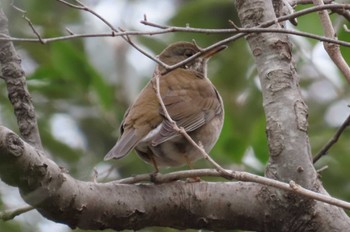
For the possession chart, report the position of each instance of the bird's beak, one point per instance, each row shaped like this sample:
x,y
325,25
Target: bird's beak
x,y
213,51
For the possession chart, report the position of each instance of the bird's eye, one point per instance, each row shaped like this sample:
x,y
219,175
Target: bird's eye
x,y
189,53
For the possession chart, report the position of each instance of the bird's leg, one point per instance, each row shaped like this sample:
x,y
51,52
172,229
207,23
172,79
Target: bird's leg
x,y
192,179
153,175
154,163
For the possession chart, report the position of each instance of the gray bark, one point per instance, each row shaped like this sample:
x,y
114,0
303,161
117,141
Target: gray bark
x,y
12,73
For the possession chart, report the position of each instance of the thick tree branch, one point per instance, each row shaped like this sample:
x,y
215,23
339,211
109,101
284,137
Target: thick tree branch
x,y
89,205
117,205
13,74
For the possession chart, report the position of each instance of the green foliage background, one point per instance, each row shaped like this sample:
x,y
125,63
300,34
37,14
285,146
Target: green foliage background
x,y
64,81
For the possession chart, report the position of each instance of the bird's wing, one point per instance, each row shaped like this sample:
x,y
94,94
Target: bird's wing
x,y
139,120
191,101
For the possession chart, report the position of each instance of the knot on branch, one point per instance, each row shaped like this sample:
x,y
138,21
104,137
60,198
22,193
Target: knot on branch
x,y
13,145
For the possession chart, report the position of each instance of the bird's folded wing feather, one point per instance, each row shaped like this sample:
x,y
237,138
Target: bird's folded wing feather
x,y
191,104
138,121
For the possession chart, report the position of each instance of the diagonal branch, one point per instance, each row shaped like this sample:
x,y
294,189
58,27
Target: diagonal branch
x,y
333,50
14,76
12,213
333,140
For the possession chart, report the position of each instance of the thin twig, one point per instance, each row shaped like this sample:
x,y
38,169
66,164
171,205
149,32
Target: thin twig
x,y
294,3
168,177
343,12
71,5
29,22
237,175
128,40
332,49
333,140
166,29
69,31
234,25
33,29
346,28
115,31
177,29
318,196
12,213
322,169
18,9
81,6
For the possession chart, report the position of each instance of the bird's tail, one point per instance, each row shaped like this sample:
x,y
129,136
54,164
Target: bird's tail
x,y
123,146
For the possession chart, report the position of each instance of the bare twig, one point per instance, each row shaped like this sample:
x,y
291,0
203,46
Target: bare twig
x,y
142,51
69,31
333,140
18,9
126,37
286,17
33,29
167,29
12,213
234,25
322,169
169,177
81,6
240,176
332,49
176,29
249,30
342,12
318,196
294,3
29,22
346,28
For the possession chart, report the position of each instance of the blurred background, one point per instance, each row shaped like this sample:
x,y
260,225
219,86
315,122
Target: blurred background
x,y
82,87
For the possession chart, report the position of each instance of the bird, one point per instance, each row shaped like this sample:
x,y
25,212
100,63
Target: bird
x,y
190,99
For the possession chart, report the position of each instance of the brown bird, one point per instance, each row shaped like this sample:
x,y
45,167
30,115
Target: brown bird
x,y
191,101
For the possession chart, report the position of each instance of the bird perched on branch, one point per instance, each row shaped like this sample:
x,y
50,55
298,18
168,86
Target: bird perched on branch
x,y
190,99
